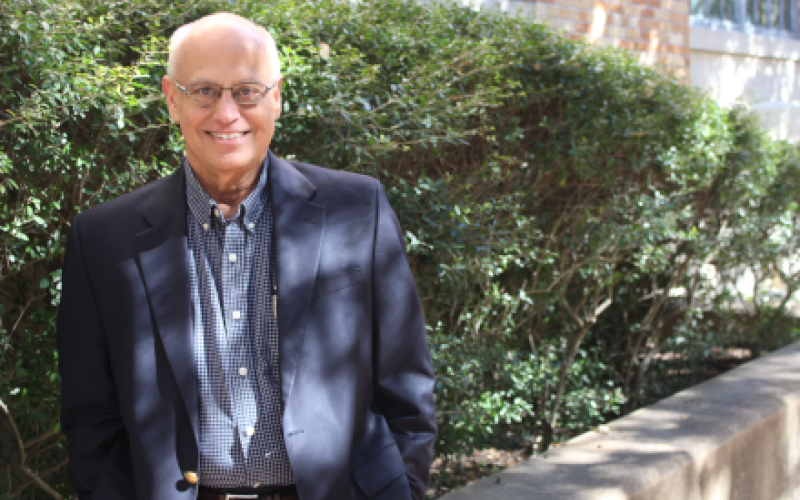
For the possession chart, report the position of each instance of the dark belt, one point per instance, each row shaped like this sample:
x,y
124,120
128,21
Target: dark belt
x,y
273,493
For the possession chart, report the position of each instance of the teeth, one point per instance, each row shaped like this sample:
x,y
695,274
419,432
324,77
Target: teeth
x,y
228,136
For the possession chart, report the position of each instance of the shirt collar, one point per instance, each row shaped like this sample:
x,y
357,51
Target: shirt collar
x,y
202,206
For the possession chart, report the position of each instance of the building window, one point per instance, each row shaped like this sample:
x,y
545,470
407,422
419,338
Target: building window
x,y
774,17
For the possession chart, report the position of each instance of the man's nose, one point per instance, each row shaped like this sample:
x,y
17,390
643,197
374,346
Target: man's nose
x,y
226,110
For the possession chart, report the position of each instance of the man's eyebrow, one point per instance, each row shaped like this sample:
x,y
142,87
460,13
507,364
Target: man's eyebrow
x,y
240,82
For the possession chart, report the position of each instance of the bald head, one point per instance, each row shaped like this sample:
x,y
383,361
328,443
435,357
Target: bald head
x,y
185,39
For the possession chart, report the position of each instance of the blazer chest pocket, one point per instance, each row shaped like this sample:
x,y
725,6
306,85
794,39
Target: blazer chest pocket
x,y
380,471
326,285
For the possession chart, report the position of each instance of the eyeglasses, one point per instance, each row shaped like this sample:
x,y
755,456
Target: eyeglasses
x,y
207,94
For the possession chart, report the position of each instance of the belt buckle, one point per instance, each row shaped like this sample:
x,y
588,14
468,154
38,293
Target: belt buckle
x,y
239,496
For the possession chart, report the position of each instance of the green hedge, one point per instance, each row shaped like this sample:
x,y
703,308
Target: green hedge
x,y
569,214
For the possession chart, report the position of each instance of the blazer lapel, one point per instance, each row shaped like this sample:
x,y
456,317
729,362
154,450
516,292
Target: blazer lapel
x,y
164,261
299,225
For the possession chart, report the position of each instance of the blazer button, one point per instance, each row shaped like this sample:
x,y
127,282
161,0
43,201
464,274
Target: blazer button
x,y
190,476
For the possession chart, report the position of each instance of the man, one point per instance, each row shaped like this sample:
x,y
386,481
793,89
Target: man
x,y
246,327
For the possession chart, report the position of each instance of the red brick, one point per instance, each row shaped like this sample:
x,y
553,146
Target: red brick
x,y
654,3
629,44
674,49
647,13
666,49
635,45
649,24
678,18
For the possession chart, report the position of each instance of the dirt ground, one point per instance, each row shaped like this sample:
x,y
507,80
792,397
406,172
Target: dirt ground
x,y
471,468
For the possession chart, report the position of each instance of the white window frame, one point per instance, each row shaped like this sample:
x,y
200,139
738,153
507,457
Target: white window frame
x,y
741,23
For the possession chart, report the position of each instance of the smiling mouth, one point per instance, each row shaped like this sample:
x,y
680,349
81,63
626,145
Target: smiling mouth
x,y
235,135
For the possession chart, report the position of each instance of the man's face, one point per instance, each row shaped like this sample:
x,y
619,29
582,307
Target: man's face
x,y
224,138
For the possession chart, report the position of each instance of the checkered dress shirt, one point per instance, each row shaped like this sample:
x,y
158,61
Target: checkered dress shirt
x,y
232,271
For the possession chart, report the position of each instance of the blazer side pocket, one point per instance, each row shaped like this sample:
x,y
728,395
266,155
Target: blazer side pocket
x,y
379,471
326,285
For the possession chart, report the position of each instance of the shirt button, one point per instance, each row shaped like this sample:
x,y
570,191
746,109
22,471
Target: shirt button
x,y
243,371
216,211
251,225
205,227
236,314
232,257
250,431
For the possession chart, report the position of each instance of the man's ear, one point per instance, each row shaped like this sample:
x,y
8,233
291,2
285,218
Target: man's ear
x,y
276,100
171,96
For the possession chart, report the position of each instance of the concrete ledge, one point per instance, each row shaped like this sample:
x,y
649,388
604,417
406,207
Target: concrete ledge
x,y
736,437
744,44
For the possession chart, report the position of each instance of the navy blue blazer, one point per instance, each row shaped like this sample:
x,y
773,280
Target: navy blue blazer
x,y
357,381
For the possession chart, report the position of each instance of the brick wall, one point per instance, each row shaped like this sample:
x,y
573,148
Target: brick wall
x,y
658,30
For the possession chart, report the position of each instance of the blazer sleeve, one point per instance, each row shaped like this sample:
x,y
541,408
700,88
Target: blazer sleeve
x,y
404,378
90,415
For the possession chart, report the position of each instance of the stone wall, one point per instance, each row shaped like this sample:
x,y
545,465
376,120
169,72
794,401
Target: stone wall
x,y
762,72
734,437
